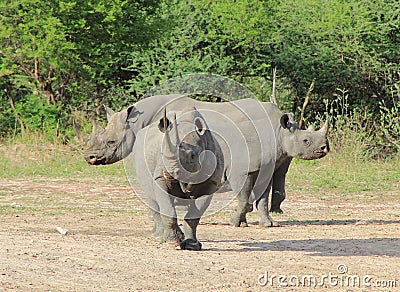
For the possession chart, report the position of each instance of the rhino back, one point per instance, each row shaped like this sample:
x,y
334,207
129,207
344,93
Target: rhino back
x,y
150,108
241,122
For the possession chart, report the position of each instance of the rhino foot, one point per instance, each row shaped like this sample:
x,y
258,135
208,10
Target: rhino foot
x,y
244,224
190,244
276,210
239,222
173,236
158,233
158,237
268,223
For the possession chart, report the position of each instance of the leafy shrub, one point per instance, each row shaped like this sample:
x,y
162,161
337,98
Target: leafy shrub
x,y
36,114
360,132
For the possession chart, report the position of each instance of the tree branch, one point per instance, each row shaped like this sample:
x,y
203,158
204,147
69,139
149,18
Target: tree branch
x,y
310,89
273,95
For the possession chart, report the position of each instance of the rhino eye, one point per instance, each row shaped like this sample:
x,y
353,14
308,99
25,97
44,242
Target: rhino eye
x,y
306,141
111,142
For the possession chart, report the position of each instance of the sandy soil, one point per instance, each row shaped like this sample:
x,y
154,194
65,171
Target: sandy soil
x,y
325,241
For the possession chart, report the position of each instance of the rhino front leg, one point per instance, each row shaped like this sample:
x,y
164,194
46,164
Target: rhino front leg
x,y
154,215
158,228
165,201
262,208
196,210
278,186
244,191
172,233
190,230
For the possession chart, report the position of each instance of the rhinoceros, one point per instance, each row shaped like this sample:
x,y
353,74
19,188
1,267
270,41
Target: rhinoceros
x,y
177,161
282,140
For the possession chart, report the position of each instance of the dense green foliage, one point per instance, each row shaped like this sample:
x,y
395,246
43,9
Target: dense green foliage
x,y
62,58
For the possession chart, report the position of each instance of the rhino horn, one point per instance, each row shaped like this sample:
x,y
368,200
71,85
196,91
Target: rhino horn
x,y
177,140
325,128
82,137
109,112
170,148
311,128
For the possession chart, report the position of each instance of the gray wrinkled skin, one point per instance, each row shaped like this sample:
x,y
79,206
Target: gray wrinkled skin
x,y
281,140
168,154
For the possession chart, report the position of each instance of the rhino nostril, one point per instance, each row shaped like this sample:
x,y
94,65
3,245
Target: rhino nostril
x,y
325,149
92,159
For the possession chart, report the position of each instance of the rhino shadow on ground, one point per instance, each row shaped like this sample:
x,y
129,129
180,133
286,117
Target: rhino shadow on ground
x,y
316,222
336,222
333,247
323,246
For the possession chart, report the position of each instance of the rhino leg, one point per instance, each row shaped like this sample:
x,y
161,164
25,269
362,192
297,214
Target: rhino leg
x,y
172,233
277,198
239,218
190,229
158,228
196,210
154,215
171,230
262,207
278,186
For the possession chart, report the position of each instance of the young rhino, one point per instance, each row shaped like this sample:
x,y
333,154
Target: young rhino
x,y
177,161
291,142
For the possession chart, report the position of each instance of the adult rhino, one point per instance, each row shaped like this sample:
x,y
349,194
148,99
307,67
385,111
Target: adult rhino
x,y
115,142
179,161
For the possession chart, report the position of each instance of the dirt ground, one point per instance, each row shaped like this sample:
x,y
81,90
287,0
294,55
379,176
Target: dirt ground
x,y
324,241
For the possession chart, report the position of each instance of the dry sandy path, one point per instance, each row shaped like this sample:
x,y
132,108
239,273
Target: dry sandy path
x,y
109,244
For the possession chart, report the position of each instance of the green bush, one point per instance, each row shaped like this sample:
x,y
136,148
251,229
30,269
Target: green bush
x,y
359,132
36,114
60,58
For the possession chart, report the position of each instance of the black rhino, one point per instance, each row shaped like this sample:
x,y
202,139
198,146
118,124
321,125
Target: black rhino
x,y
271,137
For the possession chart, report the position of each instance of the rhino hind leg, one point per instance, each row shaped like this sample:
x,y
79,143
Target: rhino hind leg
x,y
262,208
276,200
278,186
239,218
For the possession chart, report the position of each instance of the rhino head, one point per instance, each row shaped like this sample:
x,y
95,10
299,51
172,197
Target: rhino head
x,y
110,144
304,144
187,151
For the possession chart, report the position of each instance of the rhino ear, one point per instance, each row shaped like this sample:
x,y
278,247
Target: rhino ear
x,y
164,123
132,114
109,111
287,121
81,137
200,125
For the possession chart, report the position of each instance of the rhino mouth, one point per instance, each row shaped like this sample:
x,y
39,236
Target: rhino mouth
x,y
94,160
321,154
318,154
